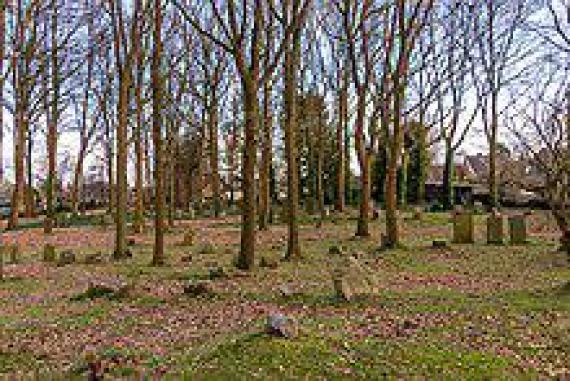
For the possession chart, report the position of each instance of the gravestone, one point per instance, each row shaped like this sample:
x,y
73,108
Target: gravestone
x,y
14,254
49,253
517,230
463,229
66,257
495,229
352,278
282,326
188,238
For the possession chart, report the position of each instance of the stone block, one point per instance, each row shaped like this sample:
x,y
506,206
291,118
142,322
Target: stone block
x,y
517,230
495,229
463,227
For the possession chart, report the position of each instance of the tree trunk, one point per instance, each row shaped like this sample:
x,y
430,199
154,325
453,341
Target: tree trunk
x,y
29,199
158,252
246,256
2,49
138,137
447,198
121,165
493,188
266,160
289,98
340,174
214,167
19,124
320,157
364,161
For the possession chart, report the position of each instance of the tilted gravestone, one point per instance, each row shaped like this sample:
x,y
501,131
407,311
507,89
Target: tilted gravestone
x,y
517,230
49,253
495,229
352,278
463,227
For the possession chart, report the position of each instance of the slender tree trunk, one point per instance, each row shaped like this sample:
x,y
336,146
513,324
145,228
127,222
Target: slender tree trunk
x,y
364,161
19,122
139,196
214,153
266,160
447,182
290,98
158,253
247,246
493,188
2,48
29,199
320,158
340,175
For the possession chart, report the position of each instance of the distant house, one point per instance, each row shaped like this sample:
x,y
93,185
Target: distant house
x,y
463,186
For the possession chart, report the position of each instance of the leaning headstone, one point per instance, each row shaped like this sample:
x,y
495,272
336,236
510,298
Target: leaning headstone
x,y
495,230
352,278
49,253
517,229
282,326
463,229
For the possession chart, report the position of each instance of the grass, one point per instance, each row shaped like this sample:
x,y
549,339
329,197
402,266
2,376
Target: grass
x,y
470,312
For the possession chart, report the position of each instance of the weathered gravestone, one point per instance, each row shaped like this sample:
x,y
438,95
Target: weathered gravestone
x,y
14,254
495,229
66,257
517,230
188,239
282,326
352,278
49,253
463,229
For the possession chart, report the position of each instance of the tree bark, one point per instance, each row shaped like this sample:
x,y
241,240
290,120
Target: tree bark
x,y
158,252
247,245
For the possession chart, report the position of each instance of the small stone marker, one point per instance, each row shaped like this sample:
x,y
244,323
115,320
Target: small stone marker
x,y
418,214
66,257
188,238
375,214
495,228
94,259
336,250
282,326
270,263
439,243
49,253
463,231
198,288
517,229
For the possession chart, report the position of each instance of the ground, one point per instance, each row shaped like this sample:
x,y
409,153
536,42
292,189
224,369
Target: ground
x,y
467,311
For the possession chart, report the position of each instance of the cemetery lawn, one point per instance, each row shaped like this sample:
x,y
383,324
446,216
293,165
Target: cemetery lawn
x,y
461,312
